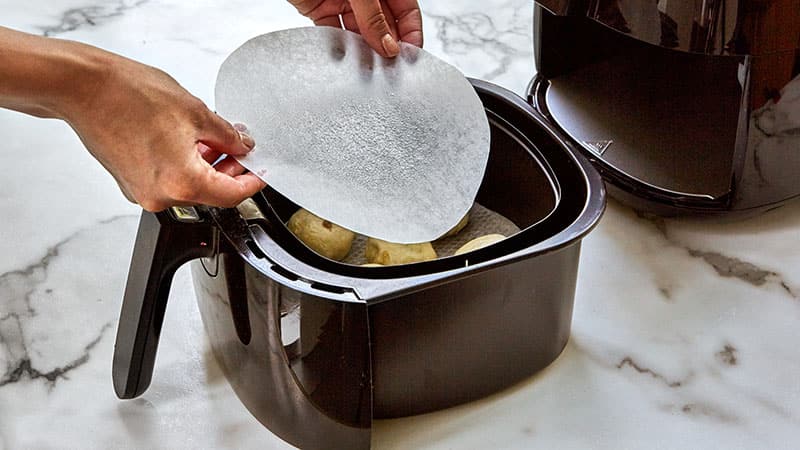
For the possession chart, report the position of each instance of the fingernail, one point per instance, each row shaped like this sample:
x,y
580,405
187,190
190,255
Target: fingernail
x,y
247,140
240,127
390,46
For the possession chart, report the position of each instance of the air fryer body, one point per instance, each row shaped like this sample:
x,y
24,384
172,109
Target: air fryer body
x,y
316,348
316,371
683,106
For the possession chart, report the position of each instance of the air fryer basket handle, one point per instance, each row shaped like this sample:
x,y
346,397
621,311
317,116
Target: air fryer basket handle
x,y
163,243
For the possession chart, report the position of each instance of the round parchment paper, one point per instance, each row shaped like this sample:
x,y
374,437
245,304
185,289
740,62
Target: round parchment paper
x,y
394,149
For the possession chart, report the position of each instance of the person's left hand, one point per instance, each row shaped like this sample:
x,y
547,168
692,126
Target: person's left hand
x,y
381,22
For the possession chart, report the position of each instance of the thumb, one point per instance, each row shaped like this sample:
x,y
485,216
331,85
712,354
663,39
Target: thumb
x,y
221,136
373,26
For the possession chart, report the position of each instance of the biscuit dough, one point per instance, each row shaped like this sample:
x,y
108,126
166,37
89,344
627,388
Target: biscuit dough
x,y
324,237
388,253
483,241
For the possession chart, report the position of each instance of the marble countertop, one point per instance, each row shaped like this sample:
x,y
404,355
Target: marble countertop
x,y
685,333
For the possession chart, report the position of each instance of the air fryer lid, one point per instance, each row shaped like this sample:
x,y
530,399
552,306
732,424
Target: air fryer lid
x,y
394,149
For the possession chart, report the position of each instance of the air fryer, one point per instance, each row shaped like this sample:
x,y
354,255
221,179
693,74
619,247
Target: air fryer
x,y
683,106
316,349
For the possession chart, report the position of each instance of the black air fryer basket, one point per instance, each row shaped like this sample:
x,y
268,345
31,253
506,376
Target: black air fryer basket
x,y
316,348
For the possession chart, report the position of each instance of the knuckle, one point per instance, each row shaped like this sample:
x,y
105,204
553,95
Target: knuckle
x,y
164,74
376,21
198,112
237,197
305,7
231,136
197,104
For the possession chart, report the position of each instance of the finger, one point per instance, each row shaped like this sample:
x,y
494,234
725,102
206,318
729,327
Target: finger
x,y
390,20
208,154
371,20
244,134
409,21
221,136
229,166
225,191
349,22
315,9
320,9
330,21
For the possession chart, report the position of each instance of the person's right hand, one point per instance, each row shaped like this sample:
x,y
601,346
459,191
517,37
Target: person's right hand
x,y
158,141
381,22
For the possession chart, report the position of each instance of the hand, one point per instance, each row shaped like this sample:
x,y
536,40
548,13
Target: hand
x,y
156,139
159,141
381,22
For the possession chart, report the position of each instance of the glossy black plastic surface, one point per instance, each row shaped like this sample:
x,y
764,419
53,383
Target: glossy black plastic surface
x,y
461,341
713,27
676,128
162,245
313,392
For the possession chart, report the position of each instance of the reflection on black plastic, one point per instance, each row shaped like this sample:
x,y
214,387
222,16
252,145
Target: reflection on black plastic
x,y
237,296
317,397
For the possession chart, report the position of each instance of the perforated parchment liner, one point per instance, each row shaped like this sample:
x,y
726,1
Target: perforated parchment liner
x,y
482,221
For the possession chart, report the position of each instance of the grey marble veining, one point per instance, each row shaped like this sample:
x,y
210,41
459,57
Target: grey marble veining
x,y
94,15
732,267
461,34
28,297
729,266
488,40
684,332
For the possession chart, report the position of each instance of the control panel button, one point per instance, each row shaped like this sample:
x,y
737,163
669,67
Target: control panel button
x,y
186,214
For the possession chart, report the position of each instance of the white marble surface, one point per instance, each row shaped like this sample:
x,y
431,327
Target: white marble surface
x,y
685,334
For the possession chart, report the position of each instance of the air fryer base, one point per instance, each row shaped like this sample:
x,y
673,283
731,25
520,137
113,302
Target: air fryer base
x,y
674,128
636,194
653,207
